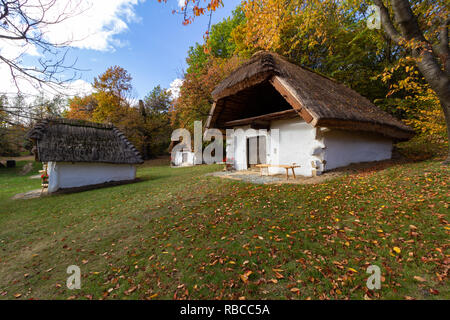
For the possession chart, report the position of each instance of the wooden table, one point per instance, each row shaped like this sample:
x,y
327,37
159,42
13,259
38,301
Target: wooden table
x,y
285,166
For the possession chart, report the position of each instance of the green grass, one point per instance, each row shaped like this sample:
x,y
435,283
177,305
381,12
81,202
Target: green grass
x,y
181,234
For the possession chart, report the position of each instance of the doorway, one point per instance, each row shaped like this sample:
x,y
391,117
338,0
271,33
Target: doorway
x,y
257,156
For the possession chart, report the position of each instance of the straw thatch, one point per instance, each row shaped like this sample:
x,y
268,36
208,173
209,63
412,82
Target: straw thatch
x,y
67,140
268,83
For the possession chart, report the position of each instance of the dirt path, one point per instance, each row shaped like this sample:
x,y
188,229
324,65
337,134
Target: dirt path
x,y
255,177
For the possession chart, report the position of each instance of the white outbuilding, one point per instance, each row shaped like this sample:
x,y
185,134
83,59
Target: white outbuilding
x,y
79,153
296,117
183,159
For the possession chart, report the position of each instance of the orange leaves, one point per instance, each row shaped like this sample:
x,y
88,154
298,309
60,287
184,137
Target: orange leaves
x,y
244,277
420,279
278,275
195,92
193,6
295,290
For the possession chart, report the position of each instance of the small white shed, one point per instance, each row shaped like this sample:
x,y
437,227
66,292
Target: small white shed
x,y
80,153
292,115
183,159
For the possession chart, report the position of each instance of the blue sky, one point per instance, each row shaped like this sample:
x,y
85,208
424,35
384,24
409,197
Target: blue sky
x,y
142,36
154,48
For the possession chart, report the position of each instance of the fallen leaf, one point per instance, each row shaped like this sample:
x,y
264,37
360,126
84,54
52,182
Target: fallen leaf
x,y
244,277
279,275
420,279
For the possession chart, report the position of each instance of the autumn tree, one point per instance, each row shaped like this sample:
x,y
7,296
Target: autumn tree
x,y
146,125
110,100
427,43
154,122
195,98
113,92
404,70
208,64
82,107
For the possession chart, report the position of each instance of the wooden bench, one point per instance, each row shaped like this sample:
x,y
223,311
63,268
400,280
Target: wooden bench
x,y
285,166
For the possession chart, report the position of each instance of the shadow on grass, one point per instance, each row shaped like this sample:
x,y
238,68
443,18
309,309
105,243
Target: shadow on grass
x,y
111,184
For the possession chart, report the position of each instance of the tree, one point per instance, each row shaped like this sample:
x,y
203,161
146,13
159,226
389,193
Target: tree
x,y
432,57
195,98
220,43
113,94
208,64
24,24
11,134
115,81
82,108
146,125
4,121
193,8
154,123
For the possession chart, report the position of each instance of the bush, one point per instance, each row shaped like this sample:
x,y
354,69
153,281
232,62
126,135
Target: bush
x,y
423,148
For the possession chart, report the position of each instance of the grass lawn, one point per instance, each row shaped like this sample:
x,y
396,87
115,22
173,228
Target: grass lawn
x,y
181,234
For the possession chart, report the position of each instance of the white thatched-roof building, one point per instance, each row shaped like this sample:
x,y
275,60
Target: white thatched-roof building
x,y
321,124
81,153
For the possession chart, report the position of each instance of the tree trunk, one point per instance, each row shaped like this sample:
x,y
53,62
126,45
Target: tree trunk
x,y
439,81
446,107
423,52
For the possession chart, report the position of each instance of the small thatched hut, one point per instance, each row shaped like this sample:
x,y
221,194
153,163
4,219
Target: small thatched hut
x,y
81,153
321,124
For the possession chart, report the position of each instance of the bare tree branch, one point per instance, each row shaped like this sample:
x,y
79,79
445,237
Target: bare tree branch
x,y
25,25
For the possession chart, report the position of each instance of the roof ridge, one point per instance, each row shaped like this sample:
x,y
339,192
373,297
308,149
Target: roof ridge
x,y
286,59
79,122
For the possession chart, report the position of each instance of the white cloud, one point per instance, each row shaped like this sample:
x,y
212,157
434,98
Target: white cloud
x,y
175,86
78,87
93,25
31,89
181,3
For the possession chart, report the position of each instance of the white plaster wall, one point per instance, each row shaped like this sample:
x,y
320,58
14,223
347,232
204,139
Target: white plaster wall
x,y
346,147
295,143
178,159
71,175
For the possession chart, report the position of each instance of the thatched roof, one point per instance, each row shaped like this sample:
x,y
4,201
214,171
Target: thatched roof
x,y
268,83
67,140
